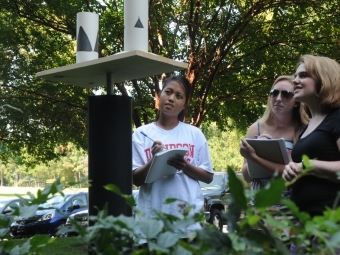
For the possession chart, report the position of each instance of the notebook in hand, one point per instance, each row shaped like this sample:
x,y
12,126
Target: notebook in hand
x,y
159,167
270,149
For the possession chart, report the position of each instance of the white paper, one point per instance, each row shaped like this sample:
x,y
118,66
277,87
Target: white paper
x,y
136,13
87,36
159,166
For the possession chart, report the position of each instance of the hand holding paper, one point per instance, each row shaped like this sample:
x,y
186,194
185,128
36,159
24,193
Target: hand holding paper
x,y
273,150
177,162
246,149
160,167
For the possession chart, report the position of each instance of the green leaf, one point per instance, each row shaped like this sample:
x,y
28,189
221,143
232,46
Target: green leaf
x,y
4,232
170,200
253,219
271,194
5,221
150,228
237,189
301,216
181,251
129,200
113,188
233,214
335,239
167,239
183,223
23,249
28,211
155,247
258,236
307,164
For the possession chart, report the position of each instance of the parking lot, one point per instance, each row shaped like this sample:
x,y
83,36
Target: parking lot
x,y
10,193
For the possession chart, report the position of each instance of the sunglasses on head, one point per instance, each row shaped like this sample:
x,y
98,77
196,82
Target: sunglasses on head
x,y
285,94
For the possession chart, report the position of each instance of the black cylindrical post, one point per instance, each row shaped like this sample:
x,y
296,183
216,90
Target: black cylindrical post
x,y
110,152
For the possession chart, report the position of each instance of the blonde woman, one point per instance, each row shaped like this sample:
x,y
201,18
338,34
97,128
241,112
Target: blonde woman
x,y
283,118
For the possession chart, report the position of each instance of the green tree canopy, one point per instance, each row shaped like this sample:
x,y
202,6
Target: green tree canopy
x,y
234,50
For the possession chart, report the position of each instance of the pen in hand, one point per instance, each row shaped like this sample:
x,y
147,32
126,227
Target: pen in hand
x,y
162,147
146,136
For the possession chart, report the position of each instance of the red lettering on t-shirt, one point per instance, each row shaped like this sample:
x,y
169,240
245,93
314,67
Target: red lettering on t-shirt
x,y
148,154
188,155
172,146
191,151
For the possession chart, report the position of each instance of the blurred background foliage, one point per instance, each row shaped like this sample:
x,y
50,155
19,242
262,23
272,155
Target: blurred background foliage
x,y
234,50
72,166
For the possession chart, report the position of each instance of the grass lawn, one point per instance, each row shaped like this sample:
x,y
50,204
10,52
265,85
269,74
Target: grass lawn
x,y
5,196
8,196
61,246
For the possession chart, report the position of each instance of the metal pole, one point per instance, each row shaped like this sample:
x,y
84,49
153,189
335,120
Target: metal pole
x,y
109,83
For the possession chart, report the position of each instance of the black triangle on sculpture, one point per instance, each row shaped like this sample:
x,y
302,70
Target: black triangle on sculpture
x,y
83,42
139,24
96,45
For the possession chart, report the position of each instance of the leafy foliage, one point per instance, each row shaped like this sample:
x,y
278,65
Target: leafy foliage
x,y
257,229
223,147
35,243
71,167
234,50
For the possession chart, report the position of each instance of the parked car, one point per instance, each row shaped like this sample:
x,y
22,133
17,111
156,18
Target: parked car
x,y
7,205
50,215
7,209
215,196
83,216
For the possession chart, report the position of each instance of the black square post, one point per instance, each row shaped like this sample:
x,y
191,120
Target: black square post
x,y
110,152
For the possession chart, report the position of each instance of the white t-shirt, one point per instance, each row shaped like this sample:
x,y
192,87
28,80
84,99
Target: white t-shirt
x,y
180,186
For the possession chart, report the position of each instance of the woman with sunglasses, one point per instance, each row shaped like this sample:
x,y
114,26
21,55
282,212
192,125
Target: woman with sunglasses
x,y
283,118
317,84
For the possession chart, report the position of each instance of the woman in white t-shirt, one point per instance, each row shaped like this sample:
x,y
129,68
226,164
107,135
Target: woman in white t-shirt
x,y
168,131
